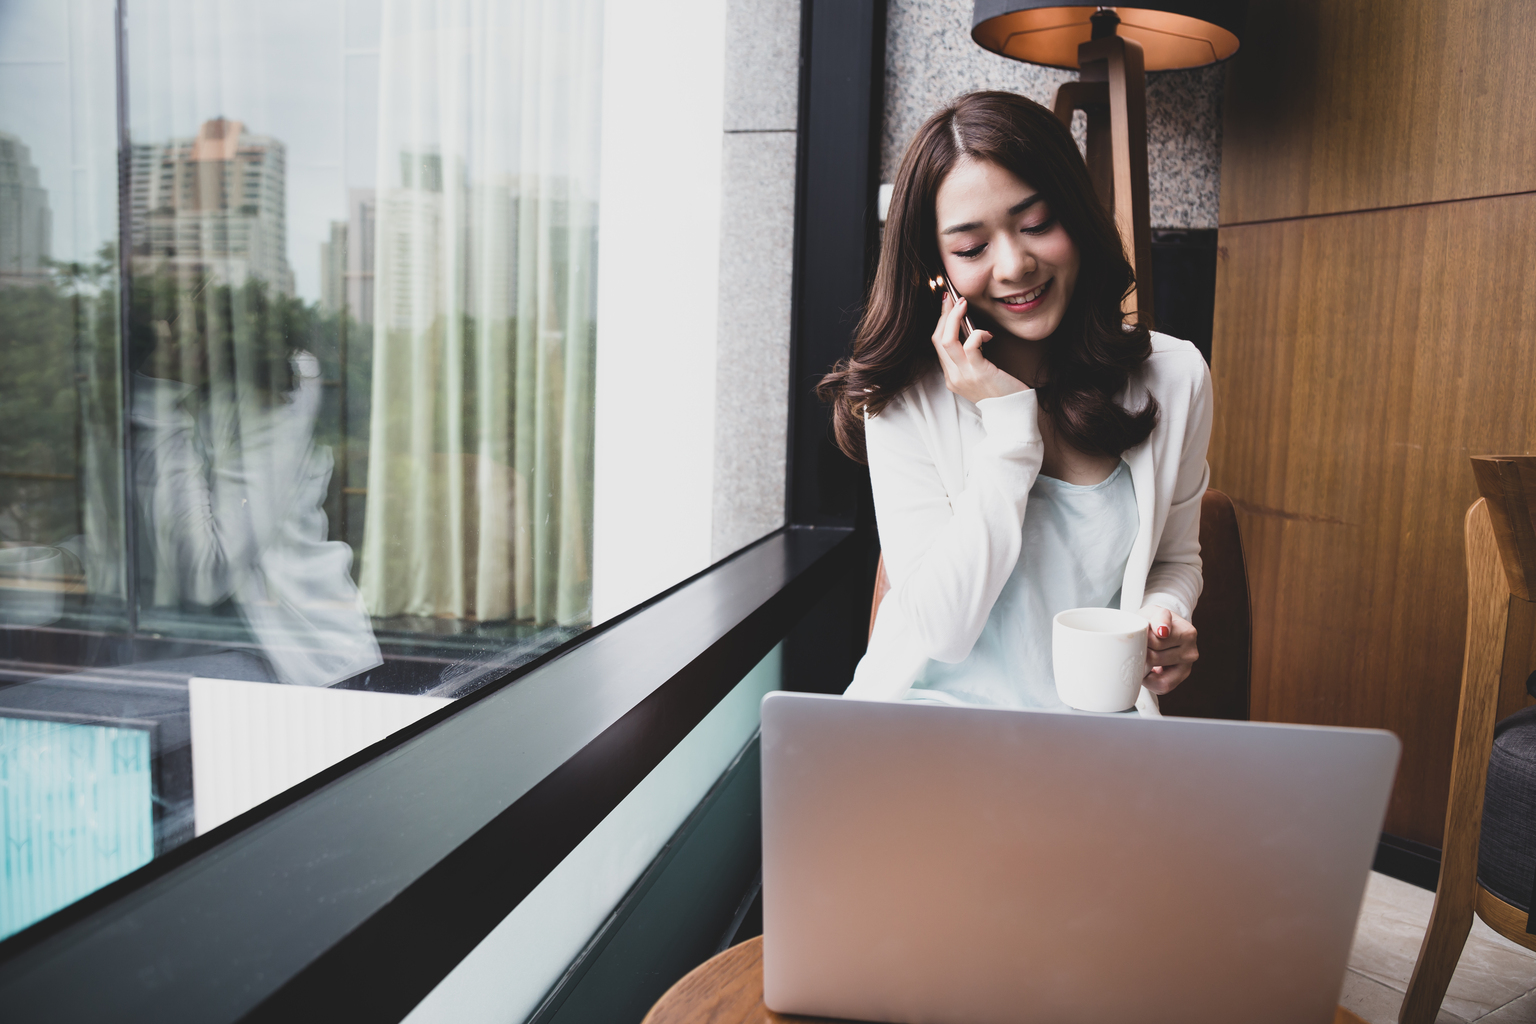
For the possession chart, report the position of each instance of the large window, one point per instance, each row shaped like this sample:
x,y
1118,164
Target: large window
x,y
301,342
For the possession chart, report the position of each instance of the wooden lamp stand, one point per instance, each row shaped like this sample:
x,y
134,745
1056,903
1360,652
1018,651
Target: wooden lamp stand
x,y
1112,91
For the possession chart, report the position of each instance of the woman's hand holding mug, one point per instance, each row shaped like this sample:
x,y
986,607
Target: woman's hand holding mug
x,y
1171,650
967,372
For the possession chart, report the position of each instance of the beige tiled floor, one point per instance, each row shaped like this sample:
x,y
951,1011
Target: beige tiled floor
x,y
1495,982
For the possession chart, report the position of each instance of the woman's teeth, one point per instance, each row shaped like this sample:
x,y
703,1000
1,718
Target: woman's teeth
x,y
1026,298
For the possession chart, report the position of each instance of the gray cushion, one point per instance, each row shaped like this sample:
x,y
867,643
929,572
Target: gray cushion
x,y
1506,856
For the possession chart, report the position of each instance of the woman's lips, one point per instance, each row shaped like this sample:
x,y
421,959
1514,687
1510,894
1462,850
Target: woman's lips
x,y
1039,293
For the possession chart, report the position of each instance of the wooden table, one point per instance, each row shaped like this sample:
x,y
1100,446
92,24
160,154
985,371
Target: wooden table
x,y
728,989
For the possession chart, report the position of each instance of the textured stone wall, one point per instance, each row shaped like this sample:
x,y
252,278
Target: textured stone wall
x,y
930,59
757,233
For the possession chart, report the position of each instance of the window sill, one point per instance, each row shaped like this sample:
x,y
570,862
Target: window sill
x,y
353,894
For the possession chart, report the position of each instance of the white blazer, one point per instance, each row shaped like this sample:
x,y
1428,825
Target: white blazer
x,y
951,480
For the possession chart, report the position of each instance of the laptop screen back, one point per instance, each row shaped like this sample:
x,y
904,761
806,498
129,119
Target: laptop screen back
x,y
970,866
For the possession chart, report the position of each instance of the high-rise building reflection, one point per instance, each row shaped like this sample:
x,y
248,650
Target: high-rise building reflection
x,y
26,222
346,259
213,206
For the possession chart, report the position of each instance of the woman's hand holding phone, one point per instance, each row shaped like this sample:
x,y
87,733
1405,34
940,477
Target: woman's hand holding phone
x,y
1171,649
967,372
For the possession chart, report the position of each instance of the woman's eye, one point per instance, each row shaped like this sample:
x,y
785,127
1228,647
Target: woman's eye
x,y
1040,228
970,253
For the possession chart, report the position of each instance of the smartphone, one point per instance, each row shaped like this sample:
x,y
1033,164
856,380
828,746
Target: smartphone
x,y
940,281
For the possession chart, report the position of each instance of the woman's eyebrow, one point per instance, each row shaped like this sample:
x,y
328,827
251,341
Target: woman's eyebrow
x,y
1024,204
1013,211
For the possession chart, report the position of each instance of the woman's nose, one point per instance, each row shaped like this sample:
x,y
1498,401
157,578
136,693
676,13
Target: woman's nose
x,y
1014,262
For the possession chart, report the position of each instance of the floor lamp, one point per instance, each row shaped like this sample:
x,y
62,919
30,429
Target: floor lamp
x,y
1113,48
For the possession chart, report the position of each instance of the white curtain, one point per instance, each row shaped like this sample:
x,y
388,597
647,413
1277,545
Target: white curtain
x,y
480,455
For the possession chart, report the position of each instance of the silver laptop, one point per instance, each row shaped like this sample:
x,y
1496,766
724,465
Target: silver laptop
x,y
948,865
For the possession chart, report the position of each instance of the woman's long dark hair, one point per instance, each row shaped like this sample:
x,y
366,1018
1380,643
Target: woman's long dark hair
x,y
1095,348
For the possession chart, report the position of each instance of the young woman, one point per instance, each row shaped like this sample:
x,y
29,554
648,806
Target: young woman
x,y
1053,459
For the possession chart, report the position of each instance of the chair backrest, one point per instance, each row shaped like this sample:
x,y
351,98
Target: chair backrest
x,y
1508,485
1501,618
1218,685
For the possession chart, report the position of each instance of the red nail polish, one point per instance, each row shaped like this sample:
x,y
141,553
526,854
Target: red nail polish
x,y
1162,632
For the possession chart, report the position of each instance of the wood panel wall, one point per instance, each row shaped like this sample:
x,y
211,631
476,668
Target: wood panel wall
x,y
1375,325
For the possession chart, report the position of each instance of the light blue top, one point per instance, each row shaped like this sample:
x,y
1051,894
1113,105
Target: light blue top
x,y
1077,540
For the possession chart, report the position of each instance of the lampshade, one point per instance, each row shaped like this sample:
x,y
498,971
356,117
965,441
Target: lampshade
x,y
1172,34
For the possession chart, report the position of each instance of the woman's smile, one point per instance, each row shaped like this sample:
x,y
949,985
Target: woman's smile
x,y
1023,302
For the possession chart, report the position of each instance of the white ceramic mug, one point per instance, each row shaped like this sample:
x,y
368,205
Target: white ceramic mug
x,y
1099,656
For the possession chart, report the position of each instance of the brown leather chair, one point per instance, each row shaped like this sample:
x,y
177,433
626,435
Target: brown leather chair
x,y
1217,687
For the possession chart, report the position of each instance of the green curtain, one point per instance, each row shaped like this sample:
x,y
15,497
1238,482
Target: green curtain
x,y
479,502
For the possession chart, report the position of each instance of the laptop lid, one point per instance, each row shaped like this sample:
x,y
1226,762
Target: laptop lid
x,y
949,865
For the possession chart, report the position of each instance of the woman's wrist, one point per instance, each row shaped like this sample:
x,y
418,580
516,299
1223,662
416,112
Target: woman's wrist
x,y
1007,386
1164,602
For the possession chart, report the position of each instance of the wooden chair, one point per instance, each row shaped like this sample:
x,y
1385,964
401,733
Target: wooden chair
x,y
1217,687
1478,850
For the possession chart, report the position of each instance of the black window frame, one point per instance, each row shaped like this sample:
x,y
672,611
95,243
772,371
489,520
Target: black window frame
x,y
354,893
